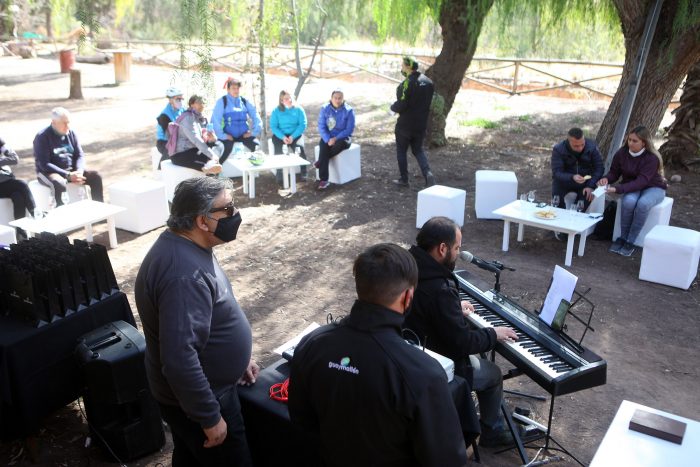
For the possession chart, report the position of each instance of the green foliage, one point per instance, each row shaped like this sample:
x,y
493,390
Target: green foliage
x,y
481,123
525,118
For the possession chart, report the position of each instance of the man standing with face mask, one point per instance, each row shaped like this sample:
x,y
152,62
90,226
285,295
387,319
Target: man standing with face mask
x,y
438,318
198,341
413,98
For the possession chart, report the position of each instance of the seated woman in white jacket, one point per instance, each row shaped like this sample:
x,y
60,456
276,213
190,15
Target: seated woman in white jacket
x,y
197,146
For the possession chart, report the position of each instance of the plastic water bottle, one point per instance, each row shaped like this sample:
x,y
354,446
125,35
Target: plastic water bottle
x,y
297,151
285,149
65,199
52,202
210,127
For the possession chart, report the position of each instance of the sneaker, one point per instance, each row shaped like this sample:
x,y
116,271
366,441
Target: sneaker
x,y
400,182
429,179
617,244
498,439
212,167
627,249
322,185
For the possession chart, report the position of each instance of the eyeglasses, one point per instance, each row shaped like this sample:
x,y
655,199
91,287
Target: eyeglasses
x,y
179,99
229,209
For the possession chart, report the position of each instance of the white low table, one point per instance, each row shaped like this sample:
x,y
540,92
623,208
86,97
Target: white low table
x,y
622,446
568,222
72,217
286,163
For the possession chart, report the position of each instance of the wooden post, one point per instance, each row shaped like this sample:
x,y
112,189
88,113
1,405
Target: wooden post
x,y
122,66
320,65
514,91
76,89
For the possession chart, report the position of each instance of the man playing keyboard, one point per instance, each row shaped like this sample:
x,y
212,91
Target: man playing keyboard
x,y
438,319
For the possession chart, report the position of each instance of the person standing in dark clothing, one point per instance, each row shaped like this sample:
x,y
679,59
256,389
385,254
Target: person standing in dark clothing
x,y
60,160
438,319
413,98
10,187
198,341
576,168
373,398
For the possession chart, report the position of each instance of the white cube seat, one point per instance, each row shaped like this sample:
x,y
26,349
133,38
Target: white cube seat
x,y
494,189
344,167
439,200
7,211
145,202
670,256
7,235
41,194
658,215
174,174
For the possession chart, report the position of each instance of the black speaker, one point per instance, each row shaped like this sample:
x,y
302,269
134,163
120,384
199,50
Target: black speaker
x,y
119,405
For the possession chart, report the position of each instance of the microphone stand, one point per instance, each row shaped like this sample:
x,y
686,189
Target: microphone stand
x,y
500,267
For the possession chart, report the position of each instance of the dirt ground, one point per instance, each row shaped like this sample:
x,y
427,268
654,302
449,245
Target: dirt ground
x,y
291,263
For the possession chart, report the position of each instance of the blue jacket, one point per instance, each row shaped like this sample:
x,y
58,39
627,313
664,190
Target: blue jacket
x,y
170,112
566,163
232,118
288,122
336,123
54,153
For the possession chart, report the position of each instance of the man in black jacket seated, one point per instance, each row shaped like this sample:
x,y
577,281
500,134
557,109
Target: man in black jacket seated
x,y
438,318
576,168
373,398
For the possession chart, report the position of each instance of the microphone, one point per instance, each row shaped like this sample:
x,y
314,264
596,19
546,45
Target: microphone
x,y
470,258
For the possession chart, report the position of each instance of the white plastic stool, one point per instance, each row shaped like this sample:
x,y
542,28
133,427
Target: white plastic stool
x,y
344,167
7,235
174,174
439,200
155,159
658,215
7,211
145,202
670,256
494,189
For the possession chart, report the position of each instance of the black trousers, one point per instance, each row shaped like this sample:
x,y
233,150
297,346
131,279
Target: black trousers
x,y
250,142
415,141
278,143
562,188
160,145
92,179
188,437
22,199
191,158
325,153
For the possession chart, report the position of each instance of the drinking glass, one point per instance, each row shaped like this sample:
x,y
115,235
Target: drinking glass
x,y
531,196
580,205
555,201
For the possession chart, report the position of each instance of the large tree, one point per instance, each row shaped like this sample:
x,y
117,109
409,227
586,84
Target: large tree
x,y
682,146
675,48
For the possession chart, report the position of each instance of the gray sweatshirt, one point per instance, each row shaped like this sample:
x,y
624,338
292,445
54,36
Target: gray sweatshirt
x,y
198,341
189,135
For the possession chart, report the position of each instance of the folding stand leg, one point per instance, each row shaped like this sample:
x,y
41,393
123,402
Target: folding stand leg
x,y
514,432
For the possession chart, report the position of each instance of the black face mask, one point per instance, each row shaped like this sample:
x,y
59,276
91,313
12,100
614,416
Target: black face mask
x,y
227,227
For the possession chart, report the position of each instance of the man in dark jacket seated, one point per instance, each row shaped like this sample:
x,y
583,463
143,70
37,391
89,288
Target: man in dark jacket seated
x,y
373,398
438,319
576,168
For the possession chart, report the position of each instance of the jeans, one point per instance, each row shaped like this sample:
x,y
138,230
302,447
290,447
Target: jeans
x,y
488,384
188,437
325,153
635,210
562,188
278,143
403,141
18,192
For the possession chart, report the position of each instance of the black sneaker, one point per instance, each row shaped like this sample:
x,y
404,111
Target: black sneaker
x,y
400,182
617,245
627,250
429,179
499,439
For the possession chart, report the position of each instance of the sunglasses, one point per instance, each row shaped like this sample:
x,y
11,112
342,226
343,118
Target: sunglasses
x,y
229,209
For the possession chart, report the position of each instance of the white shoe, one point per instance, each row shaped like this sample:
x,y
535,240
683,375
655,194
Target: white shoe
x,y
212,167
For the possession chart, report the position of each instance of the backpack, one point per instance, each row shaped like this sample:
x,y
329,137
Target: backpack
x,y
605,228
173,128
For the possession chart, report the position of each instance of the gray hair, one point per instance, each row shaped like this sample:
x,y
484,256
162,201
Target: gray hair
x,y
194,197
57,113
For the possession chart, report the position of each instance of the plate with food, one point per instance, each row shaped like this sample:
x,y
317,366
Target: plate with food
x,y
546,215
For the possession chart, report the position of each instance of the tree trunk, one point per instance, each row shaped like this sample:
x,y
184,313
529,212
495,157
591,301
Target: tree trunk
x,y
682,146
76,88
261,72
666,66
461,22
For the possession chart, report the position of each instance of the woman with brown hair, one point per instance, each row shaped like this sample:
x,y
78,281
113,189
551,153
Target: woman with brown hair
x,y
639,169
